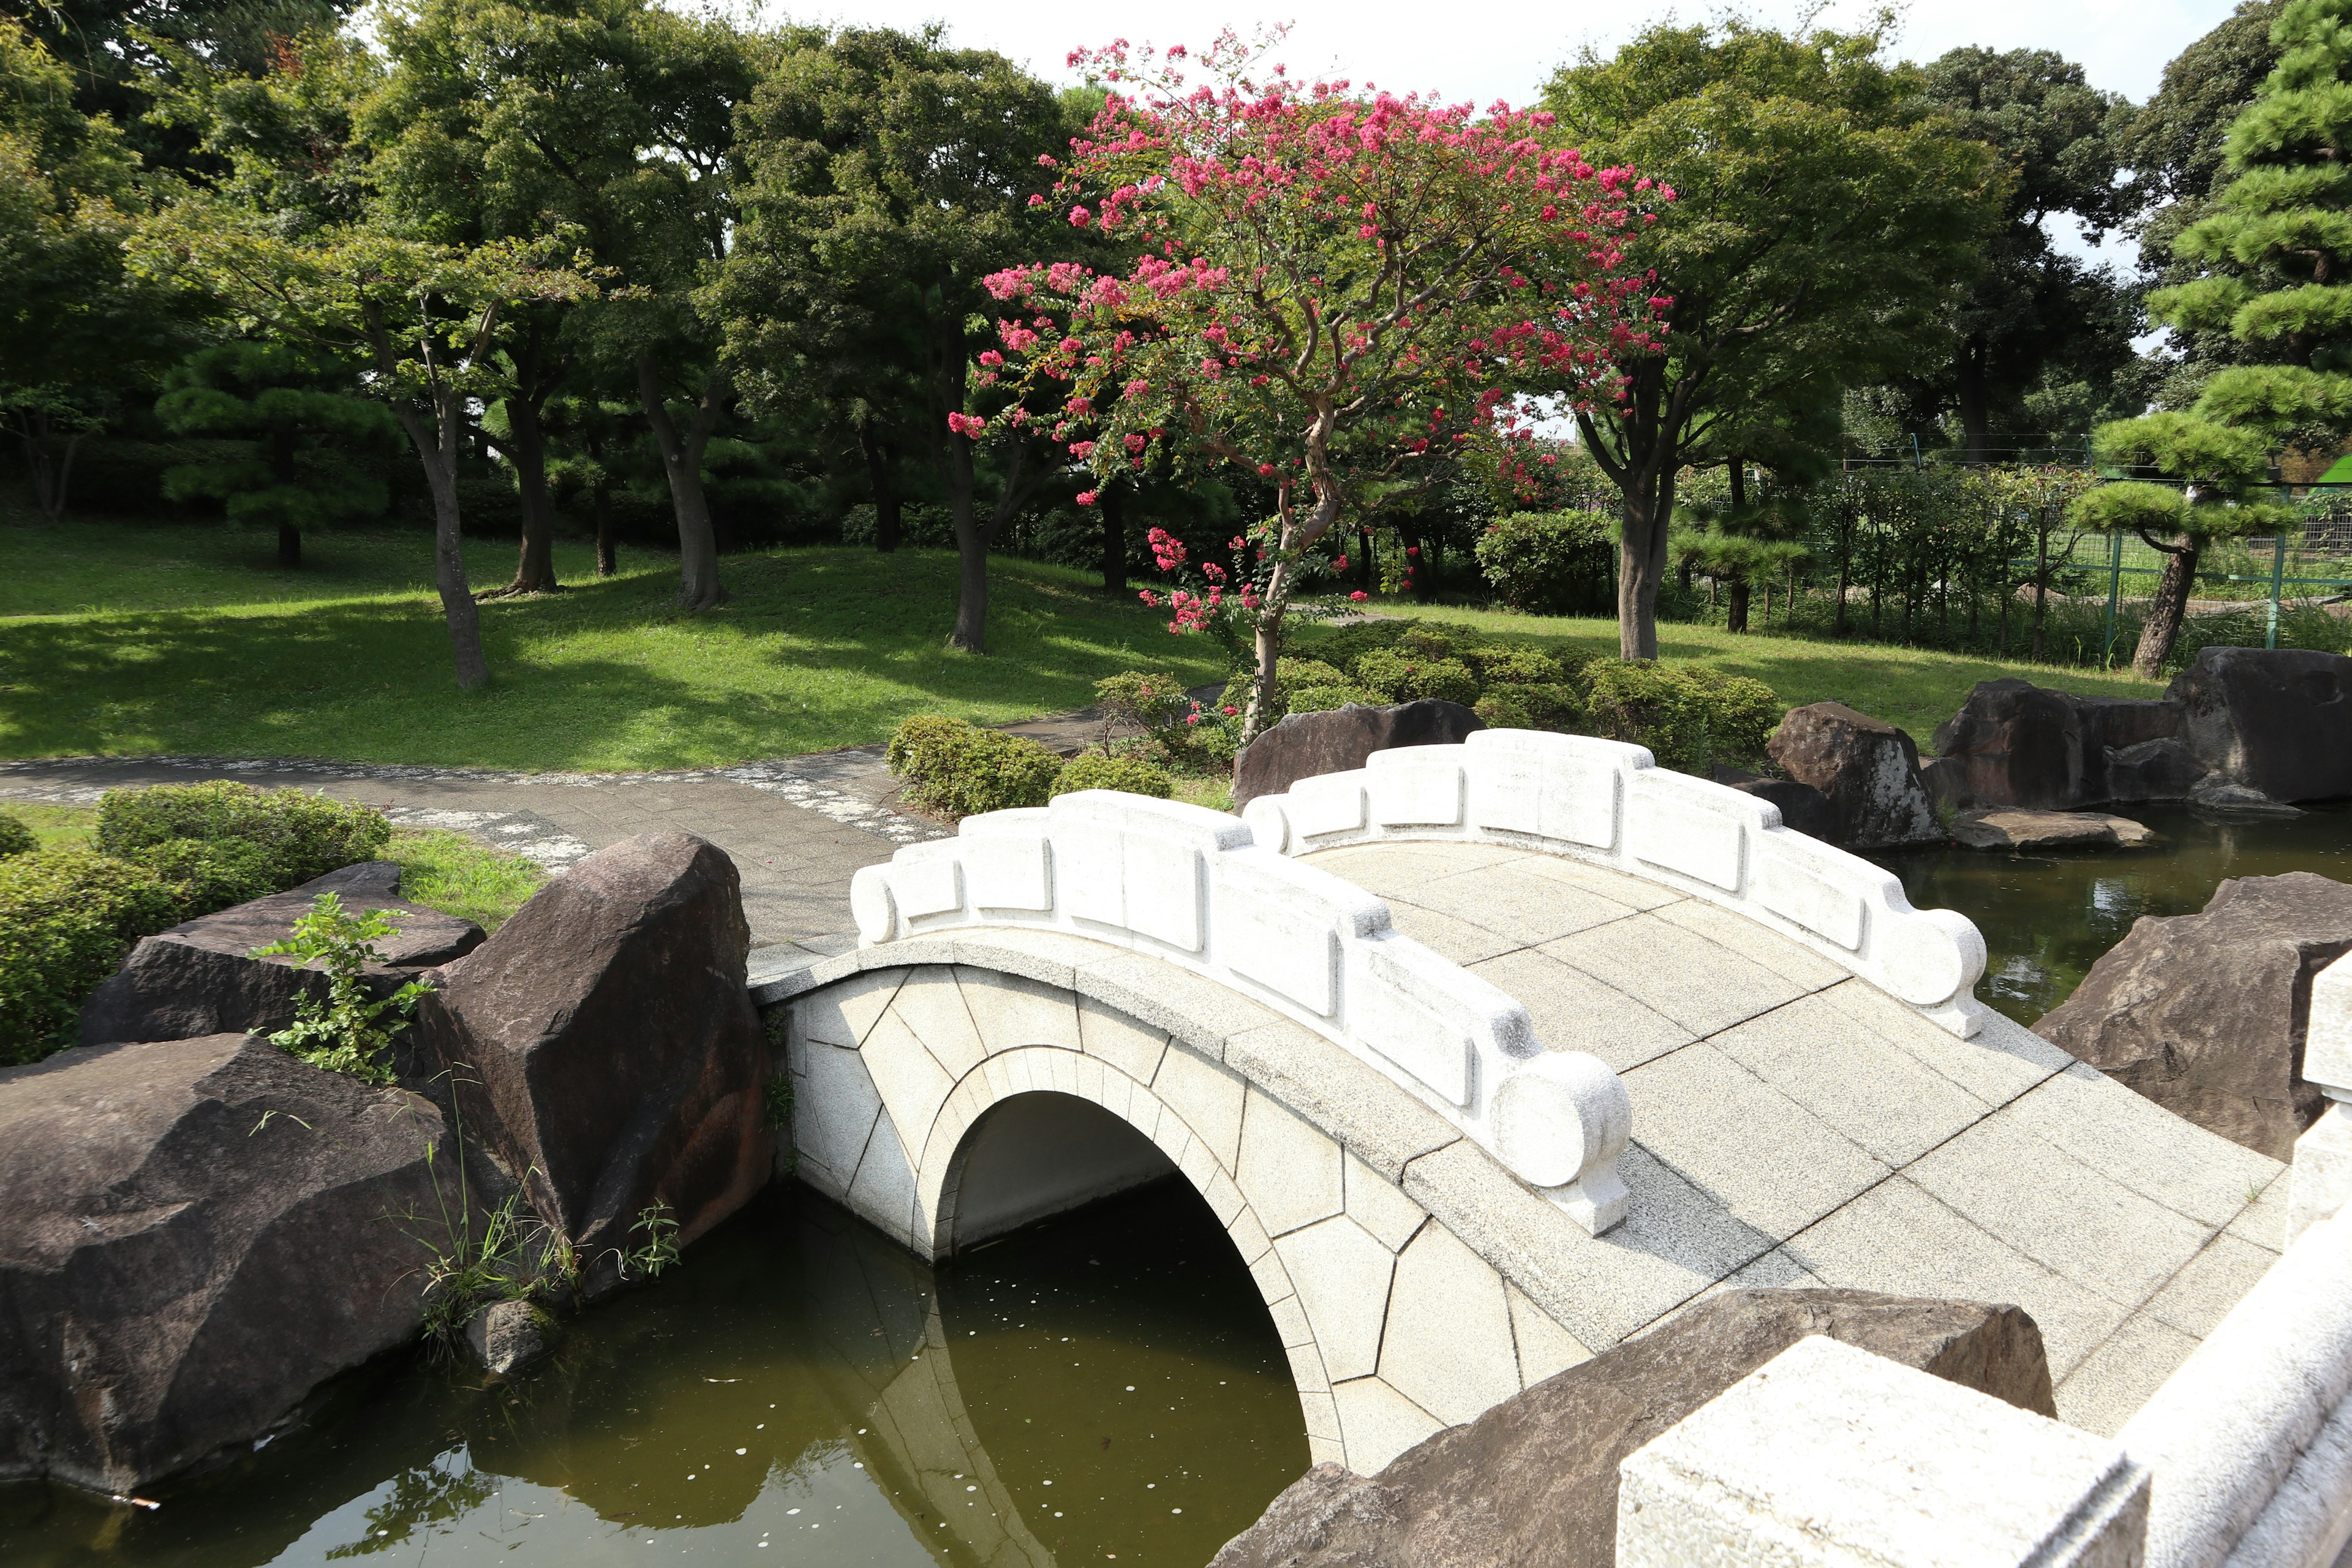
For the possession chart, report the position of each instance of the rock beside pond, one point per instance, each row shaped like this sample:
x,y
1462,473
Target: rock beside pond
x,y
1868,770
198,1233
509,1337
2274,720
2205,1013
2004,828
195,979
1306,744
1803,808
1533,1482
603,1044
2015,743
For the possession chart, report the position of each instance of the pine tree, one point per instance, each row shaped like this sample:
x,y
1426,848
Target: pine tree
x,y
2276,258
302,420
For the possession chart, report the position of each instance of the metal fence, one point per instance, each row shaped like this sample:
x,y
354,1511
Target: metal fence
x,y
2259,577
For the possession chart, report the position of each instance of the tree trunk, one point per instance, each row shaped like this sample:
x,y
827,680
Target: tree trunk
x,y
601,505
535,562
2170,608
1735,612
1642,563
888,523
1112,503
51,473
437,447
1969,391
2039,652
681,454
283,470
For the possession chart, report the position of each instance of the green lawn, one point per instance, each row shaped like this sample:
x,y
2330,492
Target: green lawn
x,y
128,639
1910,687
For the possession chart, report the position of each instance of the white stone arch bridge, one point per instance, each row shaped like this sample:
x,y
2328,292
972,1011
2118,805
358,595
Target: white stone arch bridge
x,y
1487,1057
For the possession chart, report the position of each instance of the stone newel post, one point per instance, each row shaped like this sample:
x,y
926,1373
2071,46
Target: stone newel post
x,y
2322,1177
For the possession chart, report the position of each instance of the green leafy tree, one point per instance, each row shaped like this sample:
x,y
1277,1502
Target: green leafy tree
x,y
77,330
1824,216
2214,469
2179,146
292,242
2274,258
2036,317
888,175
302,414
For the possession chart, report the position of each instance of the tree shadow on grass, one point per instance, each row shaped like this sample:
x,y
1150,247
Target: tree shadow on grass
x,y
607,676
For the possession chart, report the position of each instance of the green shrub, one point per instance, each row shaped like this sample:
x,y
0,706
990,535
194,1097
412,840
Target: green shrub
x,y
1149,700
1689,718
1508,664
1420,642
959,770
230,842
1325,699
1504,708
1403,677
1098,769
15,838
1547,563
66,918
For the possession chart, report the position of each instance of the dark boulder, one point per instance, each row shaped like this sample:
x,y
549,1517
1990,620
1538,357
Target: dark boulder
x,y
2015,743
603,1045
1533,1482
2273,720
1868,770
198,1233
2205,1013
195,979
1803,808
1306,744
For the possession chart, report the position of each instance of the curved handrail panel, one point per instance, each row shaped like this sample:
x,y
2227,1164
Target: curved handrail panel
x,y
1190,886
1609,804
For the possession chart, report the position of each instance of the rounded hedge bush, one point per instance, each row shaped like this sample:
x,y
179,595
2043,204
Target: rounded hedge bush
x,y
15,838
230,842
1547,563
1098,770
67,916
960,769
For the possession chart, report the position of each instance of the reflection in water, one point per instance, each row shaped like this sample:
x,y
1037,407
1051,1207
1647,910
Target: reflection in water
x,y
2048,918
798,1389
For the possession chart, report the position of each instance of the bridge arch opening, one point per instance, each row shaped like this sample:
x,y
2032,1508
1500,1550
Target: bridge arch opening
x,y
1037,1154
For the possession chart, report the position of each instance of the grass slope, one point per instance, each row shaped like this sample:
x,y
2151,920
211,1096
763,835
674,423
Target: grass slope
x,y
130,639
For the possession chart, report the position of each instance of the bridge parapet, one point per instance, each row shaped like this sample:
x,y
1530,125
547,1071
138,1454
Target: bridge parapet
x,y
1610,805
1190,887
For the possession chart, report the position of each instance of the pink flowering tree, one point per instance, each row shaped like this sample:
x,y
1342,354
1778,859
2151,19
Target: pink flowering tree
x,y
1330,288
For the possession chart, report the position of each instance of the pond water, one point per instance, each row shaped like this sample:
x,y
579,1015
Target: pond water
x,y
1103,1387
2046,919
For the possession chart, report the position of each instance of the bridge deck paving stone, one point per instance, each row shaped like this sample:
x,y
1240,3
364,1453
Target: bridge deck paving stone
x,y
1794,1125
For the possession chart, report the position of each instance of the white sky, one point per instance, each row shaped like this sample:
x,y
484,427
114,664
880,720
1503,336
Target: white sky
x,y
1505,48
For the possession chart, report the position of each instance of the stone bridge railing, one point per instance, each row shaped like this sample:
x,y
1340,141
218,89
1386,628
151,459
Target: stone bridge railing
x,y
1190,887
1606,803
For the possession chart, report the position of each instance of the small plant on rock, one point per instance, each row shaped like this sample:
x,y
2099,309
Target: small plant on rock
x,y
659,1250
345,1033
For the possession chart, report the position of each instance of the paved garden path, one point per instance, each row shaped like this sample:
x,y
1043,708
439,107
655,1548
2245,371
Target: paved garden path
x,y
798,827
